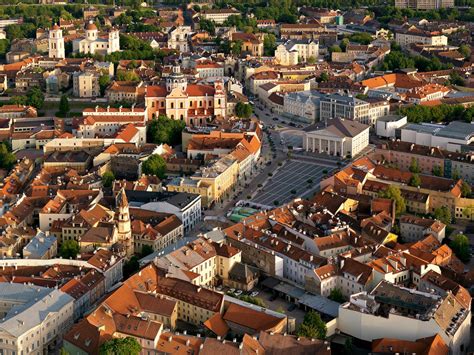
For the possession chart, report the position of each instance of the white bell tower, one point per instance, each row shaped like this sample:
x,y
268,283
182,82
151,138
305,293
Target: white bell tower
x,y
56,43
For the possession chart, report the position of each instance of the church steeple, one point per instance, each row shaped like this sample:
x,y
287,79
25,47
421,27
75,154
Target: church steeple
x,y
124,226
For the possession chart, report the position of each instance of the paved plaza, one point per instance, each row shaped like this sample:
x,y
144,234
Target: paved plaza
x,y
294,179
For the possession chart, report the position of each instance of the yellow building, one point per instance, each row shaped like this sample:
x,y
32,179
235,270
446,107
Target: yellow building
x,y
212,182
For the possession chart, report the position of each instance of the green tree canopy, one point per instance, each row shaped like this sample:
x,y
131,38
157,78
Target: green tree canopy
x,y
127,75
69,249
466,189
64,105
165,130
269,44
154,165
121,346
108,178
104,81
146,250
35,97
443,214
460,246
7,158
414,167
312,327
393,193
243,110
415,180
336,295
130,267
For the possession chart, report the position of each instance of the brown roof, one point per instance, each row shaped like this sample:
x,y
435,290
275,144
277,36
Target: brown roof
x,y
217,325
252,319
155,303
433,345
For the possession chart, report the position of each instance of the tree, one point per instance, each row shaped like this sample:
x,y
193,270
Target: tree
x,y
443,214
336,295
243,110
130,267
312,327
465,50
311,60
69,249
7,158
269,44
121,346
361,37
154,165
456,79
104,81
437,170
146,250
127,75
35,97
323,77
455,174
466,189
393,193
460,246
4,47
236,47
165,130
415,180
414,168
335,48
64,105
108,178
207,25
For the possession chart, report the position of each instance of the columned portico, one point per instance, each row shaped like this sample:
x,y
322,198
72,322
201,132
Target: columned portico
x,y
331,146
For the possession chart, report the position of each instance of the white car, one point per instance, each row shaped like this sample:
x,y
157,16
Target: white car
x,y
238,292
254,294
232,290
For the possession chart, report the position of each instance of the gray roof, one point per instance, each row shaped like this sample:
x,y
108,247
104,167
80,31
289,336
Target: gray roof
x,y
455,130
339,126
178,199
304,96
390,118
320,304
36,303
39,245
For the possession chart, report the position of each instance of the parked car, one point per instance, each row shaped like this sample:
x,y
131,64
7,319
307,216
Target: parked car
x,y
254,294
219,288
238,292
291,307
232,290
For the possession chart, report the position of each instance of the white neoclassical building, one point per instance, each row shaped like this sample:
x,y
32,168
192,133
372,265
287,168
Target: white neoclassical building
x,y
337,137
94,42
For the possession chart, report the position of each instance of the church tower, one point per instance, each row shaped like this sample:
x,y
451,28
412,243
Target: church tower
x,y
176,79
124,227
56,43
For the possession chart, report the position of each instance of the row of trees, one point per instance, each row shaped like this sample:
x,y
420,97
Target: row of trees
x,y
439,113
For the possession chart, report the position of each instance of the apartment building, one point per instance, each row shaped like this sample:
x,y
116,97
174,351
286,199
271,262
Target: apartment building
x,y
413,35
219,16
413,229
302,106
429,159
86,84
33,318
214,181
186,206
424,4
293,52
352,108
